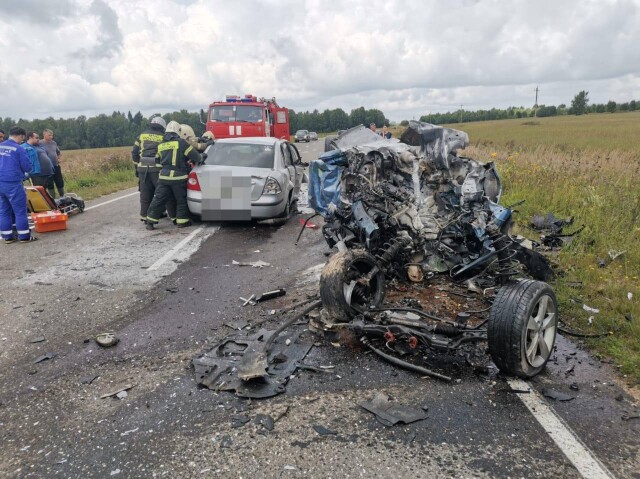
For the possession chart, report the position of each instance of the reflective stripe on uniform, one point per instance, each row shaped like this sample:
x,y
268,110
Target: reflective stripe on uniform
x,y
6,232
152,220
150,137
183,177
181,221
23,232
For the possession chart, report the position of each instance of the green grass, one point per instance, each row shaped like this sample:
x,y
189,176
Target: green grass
x,y
99,171
587,167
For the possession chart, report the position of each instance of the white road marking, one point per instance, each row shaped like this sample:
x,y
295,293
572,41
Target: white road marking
x,y
569,443
111,201
169,254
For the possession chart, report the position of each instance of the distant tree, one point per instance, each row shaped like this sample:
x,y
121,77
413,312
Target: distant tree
x,y
633,105
404,123
611,106
129,117
580,102
600,108
624,106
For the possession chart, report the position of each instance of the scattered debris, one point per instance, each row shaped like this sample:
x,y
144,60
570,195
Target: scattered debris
x,y
255,365
574,387
556,395
270,295
226,442
115,392
389,413
613,254
265,421
239,420
44,357
253,264
131,431
307,224
239,324
619,397
122,394
589,309
627,417
249,300
629,317
106,340
629,296
89,379
323,431
38,339
550,223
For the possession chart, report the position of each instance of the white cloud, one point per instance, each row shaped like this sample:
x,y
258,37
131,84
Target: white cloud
x,y
406,58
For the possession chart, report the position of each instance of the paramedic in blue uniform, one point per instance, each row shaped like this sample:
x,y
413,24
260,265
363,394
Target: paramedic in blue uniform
x,y
14,168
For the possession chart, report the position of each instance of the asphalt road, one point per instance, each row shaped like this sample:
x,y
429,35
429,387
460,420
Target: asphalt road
x,y
168,304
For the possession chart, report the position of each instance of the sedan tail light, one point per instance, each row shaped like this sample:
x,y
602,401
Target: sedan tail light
x,y
271,187
192,183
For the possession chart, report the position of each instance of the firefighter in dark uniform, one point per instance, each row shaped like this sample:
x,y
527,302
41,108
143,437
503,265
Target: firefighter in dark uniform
x,y
176,157
144,155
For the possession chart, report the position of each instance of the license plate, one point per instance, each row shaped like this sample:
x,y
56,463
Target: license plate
x,y
228,198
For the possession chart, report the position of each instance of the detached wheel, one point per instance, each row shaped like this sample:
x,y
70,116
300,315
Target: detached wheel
x,y
523,322
344,288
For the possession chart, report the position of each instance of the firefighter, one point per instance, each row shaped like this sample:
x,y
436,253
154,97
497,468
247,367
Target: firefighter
x,y
176,157
14,166
200,144
144,156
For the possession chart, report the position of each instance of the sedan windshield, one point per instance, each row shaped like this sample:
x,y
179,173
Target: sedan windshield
x,y
240,154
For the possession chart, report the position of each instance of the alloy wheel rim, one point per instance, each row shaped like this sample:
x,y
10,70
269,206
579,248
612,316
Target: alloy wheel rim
x,y
541,331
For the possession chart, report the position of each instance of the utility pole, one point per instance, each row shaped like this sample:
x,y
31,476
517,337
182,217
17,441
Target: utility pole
x,y
535,105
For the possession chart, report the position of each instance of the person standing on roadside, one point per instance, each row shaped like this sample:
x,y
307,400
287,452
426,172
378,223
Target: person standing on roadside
x,y
145,156
57,180
176,156
32,154
14,167
45,171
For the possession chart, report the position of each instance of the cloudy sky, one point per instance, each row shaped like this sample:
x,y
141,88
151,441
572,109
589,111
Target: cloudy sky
x,y
407,58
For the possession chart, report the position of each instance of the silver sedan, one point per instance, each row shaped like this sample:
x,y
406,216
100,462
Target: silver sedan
x,y
246,178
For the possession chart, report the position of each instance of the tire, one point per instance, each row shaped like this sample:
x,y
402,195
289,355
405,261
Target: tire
x,y
521,311
327,143
341,297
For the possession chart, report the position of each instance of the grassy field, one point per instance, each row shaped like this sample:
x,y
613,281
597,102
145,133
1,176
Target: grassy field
x,y
96,172
587,167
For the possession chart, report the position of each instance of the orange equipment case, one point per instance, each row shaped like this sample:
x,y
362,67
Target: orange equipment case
x,y
50,221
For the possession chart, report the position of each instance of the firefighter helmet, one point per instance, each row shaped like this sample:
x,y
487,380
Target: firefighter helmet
x,y
158,120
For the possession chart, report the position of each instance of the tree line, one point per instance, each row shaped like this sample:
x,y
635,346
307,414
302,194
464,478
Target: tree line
x,y
120,129
102,131
579,106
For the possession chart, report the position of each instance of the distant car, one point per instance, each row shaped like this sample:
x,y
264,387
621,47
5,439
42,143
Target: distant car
x,y
313,136
246,178
302,135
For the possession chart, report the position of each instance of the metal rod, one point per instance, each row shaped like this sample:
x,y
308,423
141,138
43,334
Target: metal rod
x,y
404,364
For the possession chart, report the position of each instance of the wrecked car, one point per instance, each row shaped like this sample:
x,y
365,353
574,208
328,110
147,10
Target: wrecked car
x,y
405,210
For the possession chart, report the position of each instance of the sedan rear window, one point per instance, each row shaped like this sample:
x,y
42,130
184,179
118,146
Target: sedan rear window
x,y
240,154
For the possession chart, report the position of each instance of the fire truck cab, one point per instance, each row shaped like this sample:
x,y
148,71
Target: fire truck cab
x,y
247,116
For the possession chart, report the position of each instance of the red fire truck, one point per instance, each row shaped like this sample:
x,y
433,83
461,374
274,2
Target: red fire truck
x,y
247,116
